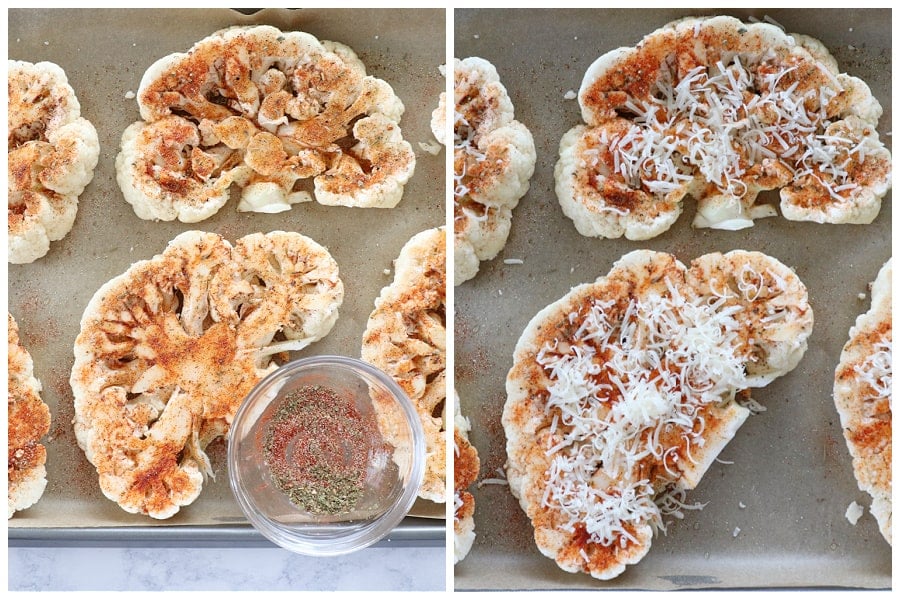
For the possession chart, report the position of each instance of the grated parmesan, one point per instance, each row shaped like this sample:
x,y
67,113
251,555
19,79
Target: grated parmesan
x,y
626,379
876,371
715,122
465,151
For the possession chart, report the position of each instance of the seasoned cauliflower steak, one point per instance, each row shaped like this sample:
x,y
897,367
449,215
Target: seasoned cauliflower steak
x,y
51,154
493,161
720,110
863,397
265,110
169,349
624,391
406,338
27,421
465,471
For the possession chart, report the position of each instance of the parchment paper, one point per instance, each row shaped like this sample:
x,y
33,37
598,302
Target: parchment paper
x,y
775,517
105,54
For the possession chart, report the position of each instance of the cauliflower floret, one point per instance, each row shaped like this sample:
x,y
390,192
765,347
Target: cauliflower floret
x,y
168,350
52,152
494,159
177,189
770,302
465,260
373,173
265,110
720,110
812,196
502,176
481,233
27,420
599,203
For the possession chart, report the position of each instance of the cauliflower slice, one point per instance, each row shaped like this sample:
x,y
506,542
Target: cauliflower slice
x,y
720,110
623,392
27,421
405,337
168,350
51,155
264,110
465,471
493,162
863,396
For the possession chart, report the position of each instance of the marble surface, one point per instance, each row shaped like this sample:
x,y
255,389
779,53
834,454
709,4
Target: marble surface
x,y
238,569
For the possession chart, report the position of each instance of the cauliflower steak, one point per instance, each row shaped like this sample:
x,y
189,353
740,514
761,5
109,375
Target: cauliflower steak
x,y
51,150
624,391
493,161
864,399
465,471
406,337
168,350
265,110
27,421
720,110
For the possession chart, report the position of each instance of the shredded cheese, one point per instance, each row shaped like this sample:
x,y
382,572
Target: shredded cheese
x,y
716,122
499,480
466,150
492,481
627,380
876,371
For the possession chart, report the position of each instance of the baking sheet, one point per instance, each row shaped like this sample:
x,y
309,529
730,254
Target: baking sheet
x,y
105,54
791,470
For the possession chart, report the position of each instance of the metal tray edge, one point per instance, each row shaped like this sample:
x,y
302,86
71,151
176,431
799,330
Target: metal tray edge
x,y
410,532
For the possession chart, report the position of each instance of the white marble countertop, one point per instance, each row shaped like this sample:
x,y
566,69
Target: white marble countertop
x,y
238,569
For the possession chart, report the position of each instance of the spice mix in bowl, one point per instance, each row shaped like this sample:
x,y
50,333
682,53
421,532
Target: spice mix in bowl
x,y
326,455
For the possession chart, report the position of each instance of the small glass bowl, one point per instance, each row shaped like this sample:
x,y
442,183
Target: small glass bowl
x,y
394,466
